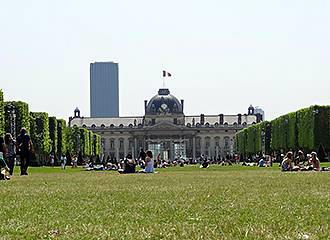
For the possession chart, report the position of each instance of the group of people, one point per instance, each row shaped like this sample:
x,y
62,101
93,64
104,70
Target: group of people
x,y
8,150
128,165
301,163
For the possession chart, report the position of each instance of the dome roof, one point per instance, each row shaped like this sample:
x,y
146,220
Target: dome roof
x,y
163,103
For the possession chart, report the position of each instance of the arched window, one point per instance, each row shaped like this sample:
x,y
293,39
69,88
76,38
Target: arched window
x,y
235,123
112,126
244,123
93,126
225,123
207,124
216,124
130,125
121,125
188,125
84,126
102,125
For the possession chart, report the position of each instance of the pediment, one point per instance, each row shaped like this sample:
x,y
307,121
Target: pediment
x,y
165,126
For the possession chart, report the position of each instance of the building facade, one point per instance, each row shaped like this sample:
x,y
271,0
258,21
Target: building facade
x,y
167,131
104,90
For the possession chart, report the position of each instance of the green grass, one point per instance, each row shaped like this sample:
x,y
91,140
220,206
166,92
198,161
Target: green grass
x,y
230,202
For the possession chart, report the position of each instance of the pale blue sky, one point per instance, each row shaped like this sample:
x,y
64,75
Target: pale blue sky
x,y
223,55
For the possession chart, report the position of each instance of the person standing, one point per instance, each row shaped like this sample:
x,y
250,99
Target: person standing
x,y
11,152
25,148
63,161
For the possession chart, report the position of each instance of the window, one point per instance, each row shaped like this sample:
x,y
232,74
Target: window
x,y
153,121
121,143
175,120
112,143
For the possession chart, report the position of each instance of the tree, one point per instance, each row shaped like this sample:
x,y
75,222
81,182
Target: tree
x,y
2,114
40,136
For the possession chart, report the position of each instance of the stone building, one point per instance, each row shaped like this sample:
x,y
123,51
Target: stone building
x,y
167,131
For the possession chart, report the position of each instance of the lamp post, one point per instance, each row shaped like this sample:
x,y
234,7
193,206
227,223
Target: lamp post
x,y
12,119
286,121
263,142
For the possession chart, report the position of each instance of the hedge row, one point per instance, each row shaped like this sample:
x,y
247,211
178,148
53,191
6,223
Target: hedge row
x,y
2,114
22,116
307,129
48,134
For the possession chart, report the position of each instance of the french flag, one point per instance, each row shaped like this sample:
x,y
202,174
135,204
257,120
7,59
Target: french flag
x,y
166,74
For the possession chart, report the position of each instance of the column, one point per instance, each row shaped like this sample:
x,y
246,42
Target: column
x,y
126,146
212,146
203,146
117,148
194,147
135,152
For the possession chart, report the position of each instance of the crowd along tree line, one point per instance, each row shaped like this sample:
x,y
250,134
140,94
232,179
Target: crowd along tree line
x,y
49,134
307,129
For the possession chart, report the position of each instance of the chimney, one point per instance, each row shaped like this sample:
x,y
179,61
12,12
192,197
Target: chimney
x,y
182,101
239,120
221,119
202,119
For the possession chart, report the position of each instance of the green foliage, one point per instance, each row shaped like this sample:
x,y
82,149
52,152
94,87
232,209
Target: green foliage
x,y
73,140
305,127
53,134
22,116
241,139
2,114
97,144
62,136
84,142
40,132
322,127
251,133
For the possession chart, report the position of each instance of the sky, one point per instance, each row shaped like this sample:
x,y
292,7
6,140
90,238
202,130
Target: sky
x,y
223,55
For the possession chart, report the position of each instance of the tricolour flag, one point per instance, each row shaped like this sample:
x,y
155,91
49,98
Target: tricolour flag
x,y
166,74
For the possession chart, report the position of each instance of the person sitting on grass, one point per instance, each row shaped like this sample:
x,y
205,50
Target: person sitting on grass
x,y
261,163
287,162
128,165
205,164
149,162
314,162
4,170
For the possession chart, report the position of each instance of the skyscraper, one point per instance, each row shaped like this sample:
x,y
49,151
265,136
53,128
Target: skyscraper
x,y
104,89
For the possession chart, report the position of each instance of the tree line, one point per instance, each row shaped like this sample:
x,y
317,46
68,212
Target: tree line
x,y
307,129
50,136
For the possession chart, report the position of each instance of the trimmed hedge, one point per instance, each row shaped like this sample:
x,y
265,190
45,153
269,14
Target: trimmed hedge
x,y
73,140
62,137
22,116
2,114
307,129
40,136
53,134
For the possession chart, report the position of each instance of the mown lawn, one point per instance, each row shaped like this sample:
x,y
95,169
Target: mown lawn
x,y
222,202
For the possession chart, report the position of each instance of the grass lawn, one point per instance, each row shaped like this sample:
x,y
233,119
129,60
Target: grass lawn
x,y
222,202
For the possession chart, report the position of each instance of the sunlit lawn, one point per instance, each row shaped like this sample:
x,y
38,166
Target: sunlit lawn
x,y
222,202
